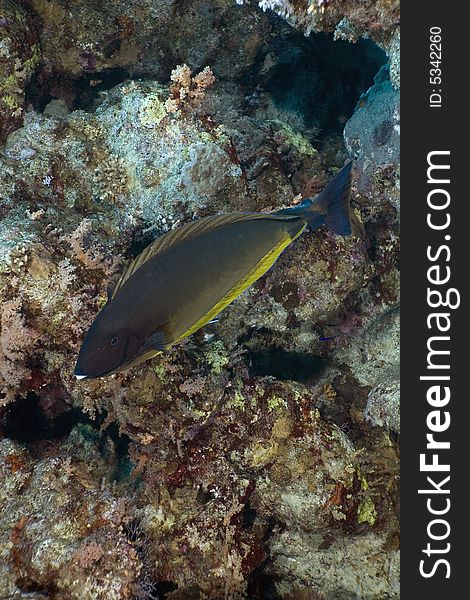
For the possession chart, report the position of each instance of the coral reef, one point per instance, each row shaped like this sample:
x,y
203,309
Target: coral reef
x,y
63,531
86,43
19,56
259,458
347,19
206,494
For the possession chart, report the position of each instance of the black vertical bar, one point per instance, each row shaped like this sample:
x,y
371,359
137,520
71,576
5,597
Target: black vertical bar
x,y
434,119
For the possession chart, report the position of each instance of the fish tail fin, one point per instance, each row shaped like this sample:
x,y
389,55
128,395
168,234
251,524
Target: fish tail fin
x,y
331,206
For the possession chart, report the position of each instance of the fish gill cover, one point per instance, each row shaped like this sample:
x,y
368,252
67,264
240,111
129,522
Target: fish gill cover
x,y
260,456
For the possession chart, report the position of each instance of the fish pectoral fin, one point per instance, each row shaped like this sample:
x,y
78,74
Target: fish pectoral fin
x,y
156,341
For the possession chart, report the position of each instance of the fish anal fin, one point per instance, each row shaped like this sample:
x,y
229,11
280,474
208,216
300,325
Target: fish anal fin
x,y
262,266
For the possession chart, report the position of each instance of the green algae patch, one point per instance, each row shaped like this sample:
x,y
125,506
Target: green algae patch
x,y
31,63
9,101
217,357
160,371
206,137
276,403
366,512
295,139
152,111
362,480
102,300
237,402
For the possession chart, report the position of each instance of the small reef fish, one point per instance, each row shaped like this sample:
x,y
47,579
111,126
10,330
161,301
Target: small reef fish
x,y
186,277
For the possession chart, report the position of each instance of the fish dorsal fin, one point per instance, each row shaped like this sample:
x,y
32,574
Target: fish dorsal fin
x,y
184,232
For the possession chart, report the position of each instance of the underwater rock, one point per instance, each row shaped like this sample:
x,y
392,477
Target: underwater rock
x,y
392,47
242,461
372,137
321,15
19,56
383,405
373,356
305,565
373,132
349,20
92,40
62,531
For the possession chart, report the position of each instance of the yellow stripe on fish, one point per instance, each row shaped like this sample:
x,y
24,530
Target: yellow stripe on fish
x,y
264,265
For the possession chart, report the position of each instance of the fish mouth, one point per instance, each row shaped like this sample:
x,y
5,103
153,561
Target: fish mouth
x,y
79,374
139,356
82,371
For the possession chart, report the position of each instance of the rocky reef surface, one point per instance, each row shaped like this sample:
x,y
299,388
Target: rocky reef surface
x,y
259,458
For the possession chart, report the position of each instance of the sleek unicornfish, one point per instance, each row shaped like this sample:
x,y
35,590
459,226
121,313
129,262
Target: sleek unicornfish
x,y
183,279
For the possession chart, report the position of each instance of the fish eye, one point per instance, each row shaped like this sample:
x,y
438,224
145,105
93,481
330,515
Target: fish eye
x,y
114,341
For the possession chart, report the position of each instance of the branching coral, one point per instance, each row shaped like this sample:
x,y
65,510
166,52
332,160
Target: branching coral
x,y
111,180
19,57
47,299
16,341
187,91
